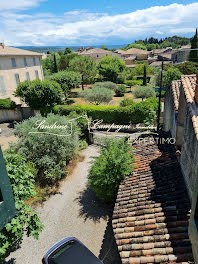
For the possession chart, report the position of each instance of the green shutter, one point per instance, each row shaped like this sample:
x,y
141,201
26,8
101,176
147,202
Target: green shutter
x,y
7,204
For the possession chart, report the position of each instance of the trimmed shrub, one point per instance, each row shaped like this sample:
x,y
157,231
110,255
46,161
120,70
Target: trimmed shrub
x,y
48,151
120,90
133,82
134,114
97,95
108,85
7,104
110,168
144,92
126,102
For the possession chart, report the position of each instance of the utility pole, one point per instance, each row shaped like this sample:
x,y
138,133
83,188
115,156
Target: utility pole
x,y
160,94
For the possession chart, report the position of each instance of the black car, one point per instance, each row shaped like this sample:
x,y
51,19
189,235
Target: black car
x,y
70,251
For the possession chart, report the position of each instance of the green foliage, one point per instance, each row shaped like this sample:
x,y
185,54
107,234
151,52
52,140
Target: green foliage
x,y
55,67
151,118
126,102
162,94
110,67
120,90
67,51
133,82
7,104
144,92
67,80
110,168
170,75
135,45
86,66
21,175
108,85
188,67
134,114
97,95
40,94
194,45
144,77
48,151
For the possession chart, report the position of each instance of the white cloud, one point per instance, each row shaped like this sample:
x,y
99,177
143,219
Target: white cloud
x,y
80,27
18,4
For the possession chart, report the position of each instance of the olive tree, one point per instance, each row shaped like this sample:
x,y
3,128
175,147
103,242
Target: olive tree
x,y
143,92
97,95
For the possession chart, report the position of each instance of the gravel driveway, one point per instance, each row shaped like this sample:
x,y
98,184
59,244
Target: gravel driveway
x,y
73,211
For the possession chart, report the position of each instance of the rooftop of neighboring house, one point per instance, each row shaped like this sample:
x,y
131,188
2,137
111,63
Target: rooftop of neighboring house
x,y
188,83
175,89
10,51
133,51
92,50
159,63
160,51
185,47
130,58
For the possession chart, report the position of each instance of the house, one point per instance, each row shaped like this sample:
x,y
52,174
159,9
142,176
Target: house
x,y
17,65
157,52
187,138
182,54
138,53
97,53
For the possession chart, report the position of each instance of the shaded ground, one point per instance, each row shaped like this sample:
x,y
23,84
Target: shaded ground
x,y
6,135
74,211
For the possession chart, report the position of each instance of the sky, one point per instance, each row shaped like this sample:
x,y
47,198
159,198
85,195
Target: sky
x,y
89,22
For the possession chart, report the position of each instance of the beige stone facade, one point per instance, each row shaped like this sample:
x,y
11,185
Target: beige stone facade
x,y
17,65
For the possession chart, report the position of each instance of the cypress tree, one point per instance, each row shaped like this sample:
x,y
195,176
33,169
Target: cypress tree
x,y
194,45
144,77
55,64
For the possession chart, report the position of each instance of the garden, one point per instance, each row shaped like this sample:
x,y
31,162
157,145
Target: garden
x,y
74,86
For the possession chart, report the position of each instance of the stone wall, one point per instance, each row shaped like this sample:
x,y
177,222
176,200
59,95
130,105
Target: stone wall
x,y
189,154
169,114
17,114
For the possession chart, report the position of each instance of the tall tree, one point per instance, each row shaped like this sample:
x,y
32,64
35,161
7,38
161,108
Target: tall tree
x,y
86,66
55,64
67,51
144,77
194,45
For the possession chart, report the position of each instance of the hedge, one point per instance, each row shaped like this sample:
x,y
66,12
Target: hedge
x,y
134,114
7,104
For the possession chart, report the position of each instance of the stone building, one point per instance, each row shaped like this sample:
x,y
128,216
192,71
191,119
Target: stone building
x,y
186,130
17,65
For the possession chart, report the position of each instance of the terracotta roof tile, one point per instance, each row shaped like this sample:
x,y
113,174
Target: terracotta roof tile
x,y
10,51
150,219
175,88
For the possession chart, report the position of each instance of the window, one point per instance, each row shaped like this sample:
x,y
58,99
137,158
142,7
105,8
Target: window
x,y
13,62
17,78
27,76
25,62
2,86
37,74
34,61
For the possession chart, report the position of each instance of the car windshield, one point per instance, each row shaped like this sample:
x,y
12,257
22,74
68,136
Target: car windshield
x,y
73,253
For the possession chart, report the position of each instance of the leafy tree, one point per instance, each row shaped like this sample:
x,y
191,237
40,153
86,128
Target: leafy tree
x,y
85,66
22,179
50,147
55,64
67,51
126,102
110,168
170,75
67,80
97,95
104,47
65,60
144,77
40,94
144,92
188,67
194,45
110,67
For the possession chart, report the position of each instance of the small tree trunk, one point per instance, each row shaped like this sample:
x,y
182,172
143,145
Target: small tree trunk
x,y
82,82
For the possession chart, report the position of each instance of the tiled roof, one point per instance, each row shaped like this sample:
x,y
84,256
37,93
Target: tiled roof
x,y
175,88
96,51
189,84
10,51
136,51
150,219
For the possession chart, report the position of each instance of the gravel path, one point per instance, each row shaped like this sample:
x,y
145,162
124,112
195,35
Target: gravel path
x,y
73,211
6,135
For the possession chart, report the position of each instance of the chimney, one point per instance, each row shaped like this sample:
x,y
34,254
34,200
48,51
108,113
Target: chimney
x,y
196,89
